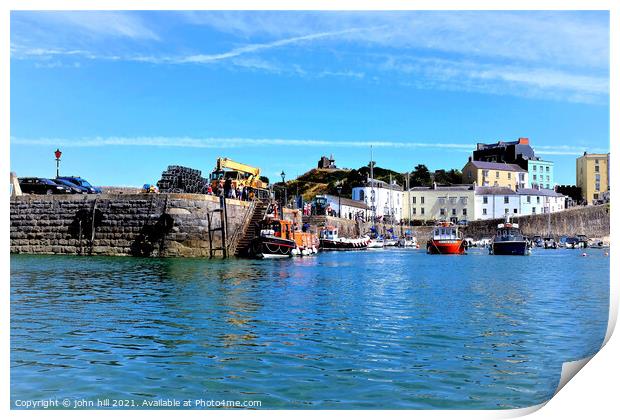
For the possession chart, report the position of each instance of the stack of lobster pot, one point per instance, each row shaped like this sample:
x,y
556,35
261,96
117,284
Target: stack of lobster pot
x,y
181,179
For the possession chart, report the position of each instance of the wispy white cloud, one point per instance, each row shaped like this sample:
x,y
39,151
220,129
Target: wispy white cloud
x,y
239,142
544,55
254,48
90,24
467,75
573,38
225,143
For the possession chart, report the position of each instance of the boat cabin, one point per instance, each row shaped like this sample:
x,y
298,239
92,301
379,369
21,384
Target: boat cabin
x,y
509,232
276,227
446,231
329,233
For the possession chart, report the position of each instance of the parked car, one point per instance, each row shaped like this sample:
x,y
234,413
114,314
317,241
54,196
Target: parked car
x,y
75,189
82,183
42,186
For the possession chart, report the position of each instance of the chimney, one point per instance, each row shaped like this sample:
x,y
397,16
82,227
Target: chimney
x,y
524,140
469,159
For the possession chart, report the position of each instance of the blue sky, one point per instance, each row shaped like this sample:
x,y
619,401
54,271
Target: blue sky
x,y
124,94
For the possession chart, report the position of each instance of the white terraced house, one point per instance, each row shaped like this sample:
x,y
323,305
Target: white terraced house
x,y
383,199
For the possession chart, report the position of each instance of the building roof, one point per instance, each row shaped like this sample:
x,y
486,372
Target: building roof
x,y
594,155
497,166
456,187
494,191
538,161
381,184
536,191
348,202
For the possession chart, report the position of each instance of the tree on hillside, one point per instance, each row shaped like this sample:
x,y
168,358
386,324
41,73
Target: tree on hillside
x,y
453,176
420,176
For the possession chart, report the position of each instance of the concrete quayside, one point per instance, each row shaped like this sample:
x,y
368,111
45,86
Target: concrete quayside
x,y
190,225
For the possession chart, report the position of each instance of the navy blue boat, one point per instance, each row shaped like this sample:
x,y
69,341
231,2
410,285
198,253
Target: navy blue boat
x,y
509,240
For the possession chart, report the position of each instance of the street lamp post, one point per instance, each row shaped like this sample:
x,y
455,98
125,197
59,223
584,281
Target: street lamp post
x,y
283,175
339,188
57,153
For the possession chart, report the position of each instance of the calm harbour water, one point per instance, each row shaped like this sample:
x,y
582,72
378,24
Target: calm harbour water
x,y
374,329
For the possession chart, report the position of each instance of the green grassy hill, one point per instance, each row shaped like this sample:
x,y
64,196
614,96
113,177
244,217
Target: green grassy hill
x,y
325,182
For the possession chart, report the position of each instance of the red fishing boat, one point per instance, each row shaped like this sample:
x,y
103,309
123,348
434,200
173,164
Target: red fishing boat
x,y
446,239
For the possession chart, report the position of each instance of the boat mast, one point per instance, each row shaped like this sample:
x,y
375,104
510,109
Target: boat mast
x,y
408,202
372,189
391,205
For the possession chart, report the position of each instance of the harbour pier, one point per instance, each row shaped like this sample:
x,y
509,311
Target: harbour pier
x,y
186,225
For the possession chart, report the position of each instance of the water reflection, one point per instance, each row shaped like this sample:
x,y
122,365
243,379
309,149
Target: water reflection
x,y
340,330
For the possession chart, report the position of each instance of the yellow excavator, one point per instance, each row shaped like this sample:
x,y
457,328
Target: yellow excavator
x,y
239,173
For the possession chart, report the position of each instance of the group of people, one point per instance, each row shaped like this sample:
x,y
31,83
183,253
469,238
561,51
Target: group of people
x,y
225,188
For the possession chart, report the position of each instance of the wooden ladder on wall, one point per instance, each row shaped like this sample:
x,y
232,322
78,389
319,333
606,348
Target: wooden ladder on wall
x,y
219,228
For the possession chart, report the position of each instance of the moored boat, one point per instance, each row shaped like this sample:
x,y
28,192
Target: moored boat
x,y
307,243
275,239
376,243
408,241
446,238
329,240
509,240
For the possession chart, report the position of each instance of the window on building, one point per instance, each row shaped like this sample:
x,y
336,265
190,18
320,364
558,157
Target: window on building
x,y
484,212
509,175
485,200
540,168
496,174
538,200
515,211
534,168
506,210
597,186
495,184
452,200
597,177
422,201
533,210
453,212
463,200
534,177
529,199
464,212
595,196
361,195
506,199
442,211
441,200
422,210
547,168
413,211
469,174
485,173
548,178
413,200
521,176
596,161
596,168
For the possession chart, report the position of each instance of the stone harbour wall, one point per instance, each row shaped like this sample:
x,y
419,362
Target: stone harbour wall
x,y
592,221
174,225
